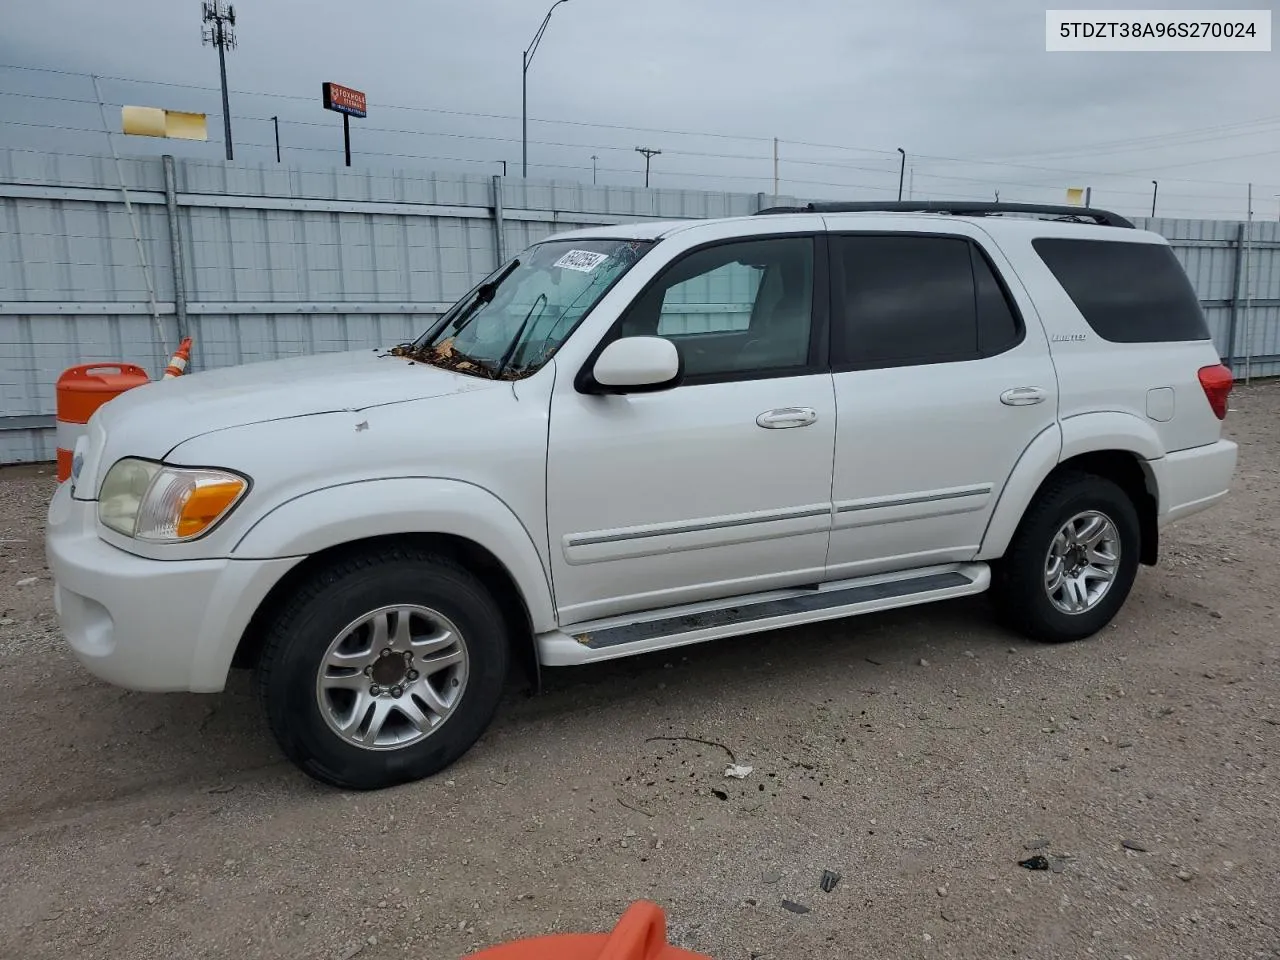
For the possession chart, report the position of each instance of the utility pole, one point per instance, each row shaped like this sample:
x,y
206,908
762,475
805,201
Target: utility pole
x,y
594,158
504,167
1088,196
276,121
775,169
902,170
525,60
1155,188
221,32
648,152
911,183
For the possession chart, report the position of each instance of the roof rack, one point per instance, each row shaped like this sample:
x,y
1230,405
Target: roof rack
x,y
979,209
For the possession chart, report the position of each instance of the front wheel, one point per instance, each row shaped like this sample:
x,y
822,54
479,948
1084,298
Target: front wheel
x,y
1072,561
383,668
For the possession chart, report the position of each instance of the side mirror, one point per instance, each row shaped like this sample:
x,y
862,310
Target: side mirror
x,y
638,364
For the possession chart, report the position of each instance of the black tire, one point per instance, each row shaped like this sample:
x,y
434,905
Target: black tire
x,y
340,594
1018,587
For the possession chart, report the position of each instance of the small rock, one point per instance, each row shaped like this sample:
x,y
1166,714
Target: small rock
x,y
942,891
372,941
986,730
28,581
923,661
970,654
771,876
1184,875
949,916
6,621
829,880
1215,614
794,907
382,904
1037,862
1057,866
927,938
1133,845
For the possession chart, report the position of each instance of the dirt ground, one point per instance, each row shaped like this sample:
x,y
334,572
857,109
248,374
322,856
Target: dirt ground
x,y
920,754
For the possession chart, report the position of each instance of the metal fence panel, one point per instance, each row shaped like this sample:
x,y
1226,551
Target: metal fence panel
x,y
280,260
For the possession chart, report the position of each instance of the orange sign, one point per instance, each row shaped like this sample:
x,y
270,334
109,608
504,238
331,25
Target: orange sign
x,y
344,100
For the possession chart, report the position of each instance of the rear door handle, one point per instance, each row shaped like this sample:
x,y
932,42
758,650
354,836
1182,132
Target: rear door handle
x,y
786,417
1023,396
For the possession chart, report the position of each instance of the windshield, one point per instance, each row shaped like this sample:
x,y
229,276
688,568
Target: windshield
x,y
513,322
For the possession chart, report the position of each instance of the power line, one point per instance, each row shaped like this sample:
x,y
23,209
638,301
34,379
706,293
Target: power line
x,y
866,154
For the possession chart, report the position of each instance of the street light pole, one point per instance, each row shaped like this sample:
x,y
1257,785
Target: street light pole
x,y
594,158
1155,188
276,121
902,170
526,59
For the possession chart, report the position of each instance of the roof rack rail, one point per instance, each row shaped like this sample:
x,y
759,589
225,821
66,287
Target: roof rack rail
x,y
979,209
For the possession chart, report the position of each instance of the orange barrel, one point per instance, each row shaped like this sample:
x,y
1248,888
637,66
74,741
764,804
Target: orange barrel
x,y
82,390
641,934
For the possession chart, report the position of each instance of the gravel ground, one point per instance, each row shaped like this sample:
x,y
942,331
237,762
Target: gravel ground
x,y
920,754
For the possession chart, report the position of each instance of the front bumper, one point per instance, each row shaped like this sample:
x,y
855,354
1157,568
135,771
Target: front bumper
x,y
149,624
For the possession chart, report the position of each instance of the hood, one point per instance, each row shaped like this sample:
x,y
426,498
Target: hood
x,y
151,420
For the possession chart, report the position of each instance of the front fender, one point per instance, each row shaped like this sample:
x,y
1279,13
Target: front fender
x,y
347,512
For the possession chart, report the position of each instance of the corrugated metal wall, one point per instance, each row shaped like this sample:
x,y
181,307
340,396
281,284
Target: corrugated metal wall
x,y
280,261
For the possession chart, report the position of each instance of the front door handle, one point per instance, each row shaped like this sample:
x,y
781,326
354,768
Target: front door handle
x,y
1023,396
785,417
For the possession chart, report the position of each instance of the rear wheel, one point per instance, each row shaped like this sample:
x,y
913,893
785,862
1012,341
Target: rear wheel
x,y
1072,561
384,668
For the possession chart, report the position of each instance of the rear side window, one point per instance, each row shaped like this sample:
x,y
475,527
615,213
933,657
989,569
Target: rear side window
x,y
1127,292
905,300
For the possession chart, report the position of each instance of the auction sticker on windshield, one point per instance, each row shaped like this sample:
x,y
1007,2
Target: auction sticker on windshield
x,y
584,261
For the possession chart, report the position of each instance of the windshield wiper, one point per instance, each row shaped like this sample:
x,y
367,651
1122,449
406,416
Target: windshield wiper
x,y
515,341
484,295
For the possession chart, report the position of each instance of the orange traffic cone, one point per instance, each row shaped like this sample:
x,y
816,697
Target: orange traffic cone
x,y
641,934
178,363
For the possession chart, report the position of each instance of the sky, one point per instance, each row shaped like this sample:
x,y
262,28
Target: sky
x,y
966,89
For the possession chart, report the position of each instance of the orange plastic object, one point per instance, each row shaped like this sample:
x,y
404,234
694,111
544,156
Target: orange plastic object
x,y
82,390
178,362
641,934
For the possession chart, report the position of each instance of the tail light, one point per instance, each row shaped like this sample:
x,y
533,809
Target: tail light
x,y
1217,382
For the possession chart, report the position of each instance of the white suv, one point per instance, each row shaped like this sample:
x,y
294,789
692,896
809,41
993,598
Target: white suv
x,y
637,437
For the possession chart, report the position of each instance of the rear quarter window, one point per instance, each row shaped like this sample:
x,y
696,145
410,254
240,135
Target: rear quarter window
x,y
1127,292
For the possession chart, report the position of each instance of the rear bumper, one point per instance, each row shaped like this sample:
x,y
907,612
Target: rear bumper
x,y
1193,480
149,624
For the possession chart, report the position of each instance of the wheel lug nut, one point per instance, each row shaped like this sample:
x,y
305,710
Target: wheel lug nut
x,y
368,671
408,656
396,691
386,652
375,690
412,675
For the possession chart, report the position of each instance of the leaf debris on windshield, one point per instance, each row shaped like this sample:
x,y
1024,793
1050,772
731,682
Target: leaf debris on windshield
x,y
444,356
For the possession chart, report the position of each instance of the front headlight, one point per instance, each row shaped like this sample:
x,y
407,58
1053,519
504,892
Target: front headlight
x,y
151,501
